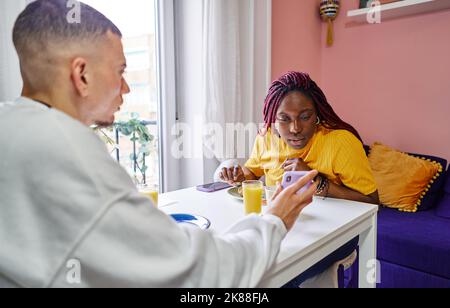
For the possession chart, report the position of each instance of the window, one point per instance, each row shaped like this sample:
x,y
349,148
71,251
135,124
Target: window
x,y
136,20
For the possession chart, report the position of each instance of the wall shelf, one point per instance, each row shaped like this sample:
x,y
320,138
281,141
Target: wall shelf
x,y
400,9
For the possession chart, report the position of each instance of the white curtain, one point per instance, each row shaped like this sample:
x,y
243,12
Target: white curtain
x,y
222,76
236,72
10,80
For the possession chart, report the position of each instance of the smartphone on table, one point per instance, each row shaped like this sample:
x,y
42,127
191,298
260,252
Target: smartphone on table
x,y
291,177
212,187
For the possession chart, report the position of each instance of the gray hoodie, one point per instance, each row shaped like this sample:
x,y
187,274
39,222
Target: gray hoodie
x,y
70,216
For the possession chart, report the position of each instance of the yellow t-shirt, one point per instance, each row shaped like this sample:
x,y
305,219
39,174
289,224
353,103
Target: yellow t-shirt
x,y
337,154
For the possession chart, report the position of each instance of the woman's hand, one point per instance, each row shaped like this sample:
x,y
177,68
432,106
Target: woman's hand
x,y
295,164
233,175
287,205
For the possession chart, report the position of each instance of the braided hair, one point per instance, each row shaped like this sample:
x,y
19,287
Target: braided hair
x,y
301,82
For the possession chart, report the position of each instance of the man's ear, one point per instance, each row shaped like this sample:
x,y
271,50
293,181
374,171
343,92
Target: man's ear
x,y
79,76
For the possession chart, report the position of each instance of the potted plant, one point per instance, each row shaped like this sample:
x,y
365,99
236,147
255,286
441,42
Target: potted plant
x,y
142,140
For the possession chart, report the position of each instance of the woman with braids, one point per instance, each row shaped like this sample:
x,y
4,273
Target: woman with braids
x,y
302,132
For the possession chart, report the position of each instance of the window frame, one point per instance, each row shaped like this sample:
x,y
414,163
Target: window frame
x,y
166,92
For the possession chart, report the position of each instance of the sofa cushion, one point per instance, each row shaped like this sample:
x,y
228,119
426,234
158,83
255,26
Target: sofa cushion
x,y
443,207
431,199
403,180
419,240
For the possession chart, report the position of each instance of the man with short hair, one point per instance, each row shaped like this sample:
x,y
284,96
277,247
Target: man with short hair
x,y
65,201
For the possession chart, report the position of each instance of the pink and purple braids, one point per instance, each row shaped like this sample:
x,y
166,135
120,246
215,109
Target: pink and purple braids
x,y
301,82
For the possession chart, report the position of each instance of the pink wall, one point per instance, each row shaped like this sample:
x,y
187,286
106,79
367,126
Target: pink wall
x,y
296,37
391,80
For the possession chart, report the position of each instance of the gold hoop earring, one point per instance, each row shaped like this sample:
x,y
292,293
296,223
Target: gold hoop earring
x,y
318,121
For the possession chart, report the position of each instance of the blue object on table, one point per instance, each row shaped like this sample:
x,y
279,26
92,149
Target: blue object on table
x,y
196,220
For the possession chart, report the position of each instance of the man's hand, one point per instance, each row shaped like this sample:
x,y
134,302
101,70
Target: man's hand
x,y
233,175
288,205
295,164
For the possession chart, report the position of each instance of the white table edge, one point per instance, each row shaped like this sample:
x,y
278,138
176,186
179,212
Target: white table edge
x,y
363,226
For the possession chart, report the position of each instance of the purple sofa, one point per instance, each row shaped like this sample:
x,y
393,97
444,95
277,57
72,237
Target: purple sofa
x,y
414,248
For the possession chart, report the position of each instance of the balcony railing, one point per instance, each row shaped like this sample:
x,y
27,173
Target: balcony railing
x,y
136,154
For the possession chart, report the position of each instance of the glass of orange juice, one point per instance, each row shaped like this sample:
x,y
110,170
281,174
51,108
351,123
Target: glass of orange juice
x,y
252,191
150,191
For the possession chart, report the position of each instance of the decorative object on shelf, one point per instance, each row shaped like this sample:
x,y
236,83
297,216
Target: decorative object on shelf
x,y
329,10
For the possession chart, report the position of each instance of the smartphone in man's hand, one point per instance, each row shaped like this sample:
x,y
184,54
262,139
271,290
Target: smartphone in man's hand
x,y
291,177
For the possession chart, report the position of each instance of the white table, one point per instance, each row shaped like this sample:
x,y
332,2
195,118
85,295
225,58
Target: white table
x,y
323,227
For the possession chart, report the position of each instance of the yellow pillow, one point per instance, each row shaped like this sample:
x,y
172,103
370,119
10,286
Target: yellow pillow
x,y
402,180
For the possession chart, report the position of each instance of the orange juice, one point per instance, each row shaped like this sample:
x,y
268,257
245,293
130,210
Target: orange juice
x,y
252,191
150,193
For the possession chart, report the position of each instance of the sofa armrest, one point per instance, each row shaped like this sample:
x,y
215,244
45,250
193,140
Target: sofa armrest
x,y
443,206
